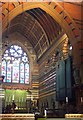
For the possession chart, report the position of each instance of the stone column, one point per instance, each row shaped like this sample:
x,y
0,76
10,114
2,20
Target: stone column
x,y
78,69
0,55
78,59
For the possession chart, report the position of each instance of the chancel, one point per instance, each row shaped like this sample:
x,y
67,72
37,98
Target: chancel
x,y
41,60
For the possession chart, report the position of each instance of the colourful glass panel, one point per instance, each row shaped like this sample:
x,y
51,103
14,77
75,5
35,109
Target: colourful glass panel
x,y
9,72
15,77
19,58
26,73
4,69
22,73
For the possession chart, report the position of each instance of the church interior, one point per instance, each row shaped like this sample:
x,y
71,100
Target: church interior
x,y
41,57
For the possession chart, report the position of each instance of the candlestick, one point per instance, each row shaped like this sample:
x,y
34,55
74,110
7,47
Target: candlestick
x,y
81,99
66,99
13,97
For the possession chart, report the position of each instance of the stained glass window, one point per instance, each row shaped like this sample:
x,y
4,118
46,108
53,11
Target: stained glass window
x,y
8,72
22,72
15,65
15,72
4,69
26,73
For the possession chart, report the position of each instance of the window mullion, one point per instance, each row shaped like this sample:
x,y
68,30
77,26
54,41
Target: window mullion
x,y
11,72
6,72
24,73
19,72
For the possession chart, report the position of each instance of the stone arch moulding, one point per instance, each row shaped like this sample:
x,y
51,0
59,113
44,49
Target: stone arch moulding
x,y
52,8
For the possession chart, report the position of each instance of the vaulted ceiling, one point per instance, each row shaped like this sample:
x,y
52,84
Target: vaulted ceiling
x,y
40,29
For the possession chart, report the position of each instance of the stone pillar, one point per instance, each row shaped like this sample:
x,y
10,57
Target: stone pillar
x,y
81,55
78,70
77,59
0,54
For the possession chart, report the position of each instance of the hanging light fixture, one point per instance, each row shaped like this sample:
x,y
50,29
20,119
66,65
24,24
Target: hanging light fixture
x,y
70,47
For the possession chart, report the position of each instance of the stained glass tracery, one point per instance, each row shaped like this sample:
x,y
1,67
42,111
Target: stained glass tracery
x,y
18,72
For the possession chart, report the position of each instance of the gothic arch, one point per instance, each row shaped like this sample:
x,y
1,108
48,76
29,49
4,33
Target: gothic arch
x,y
18,39
56,11
53,9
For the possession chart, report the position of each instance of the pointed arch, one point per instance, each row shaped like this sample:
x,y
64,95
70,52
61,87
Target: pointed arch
x,y
17,72
54,9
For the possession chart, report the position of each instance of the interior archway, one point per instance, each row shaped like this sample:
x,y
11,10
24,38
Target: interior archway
x,y
50,9
62,17
51,50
